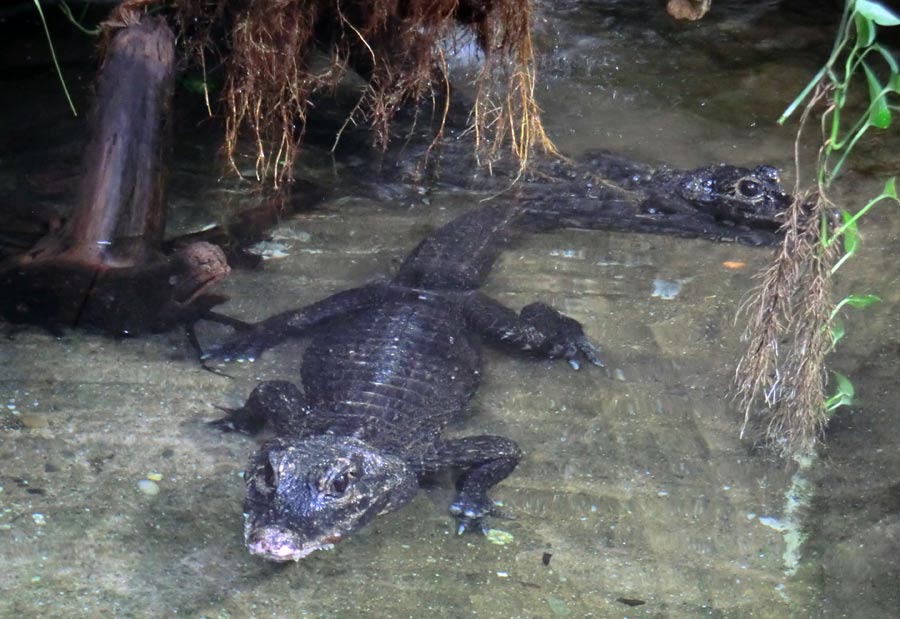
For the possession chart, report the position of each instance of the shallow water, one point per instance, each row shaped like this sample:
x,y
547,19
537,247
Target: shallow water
x,y
635,481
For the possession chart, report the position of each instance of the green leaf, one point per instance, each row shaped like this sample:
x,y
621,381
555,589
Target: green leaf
x,y
843,385
890,188
850,232
843,395
865,30
879,113
877,13
860,301
837,331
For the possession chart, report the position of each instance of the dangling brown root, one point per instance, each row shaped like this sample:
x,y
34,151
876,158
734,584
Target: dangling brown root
x,y
781,379
272,73
505,107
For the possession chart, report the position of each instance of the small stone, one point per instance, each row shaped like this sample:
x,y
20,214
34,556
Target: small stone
x,y
690,10
34,421
148,487
501,538
154,476
665,289
558,606
269,250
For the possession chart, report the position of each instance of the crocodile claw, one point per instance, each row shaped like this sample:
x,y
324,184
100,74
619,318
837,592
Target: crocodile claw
x,y
591,352
576,347
479,524
472,513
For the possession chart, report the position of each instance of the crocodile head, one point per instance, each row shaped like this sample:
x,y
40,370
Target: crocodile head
x,y
745,196
307,494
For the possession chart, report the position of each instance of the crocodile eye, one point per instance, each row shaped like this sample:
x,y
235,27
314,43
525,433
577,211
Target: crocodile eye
x,y
749,189
340,483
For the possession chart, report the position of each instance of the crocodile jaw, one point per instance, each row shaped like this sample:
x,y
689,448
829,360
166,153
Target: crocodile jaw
x,y
277,544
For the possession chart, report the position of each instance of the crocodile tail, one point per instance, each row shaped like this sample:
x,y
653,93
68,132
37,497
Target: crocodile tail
x,y
460,254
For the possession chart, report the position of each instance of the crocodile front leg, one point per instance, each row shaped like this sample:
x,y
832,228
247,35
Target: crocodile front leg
x,y
485,460
538,328
250,343
276,402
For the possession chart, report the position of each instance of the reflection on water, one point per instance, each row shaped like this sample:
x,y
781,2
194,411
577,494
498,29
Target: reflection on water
x,y
635,498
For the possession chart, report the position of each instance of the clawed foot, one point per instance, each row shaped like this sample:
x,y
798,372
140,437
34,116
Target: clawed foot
x,y
566,337
471,513
571,350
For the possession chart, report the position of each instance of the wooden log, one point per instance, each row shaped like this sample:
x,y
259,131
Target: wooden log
x,y
120,213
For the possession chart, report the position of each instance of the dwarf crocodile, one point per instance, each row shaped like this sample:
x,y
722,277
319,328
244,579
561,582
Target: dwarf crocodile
x,y
391,363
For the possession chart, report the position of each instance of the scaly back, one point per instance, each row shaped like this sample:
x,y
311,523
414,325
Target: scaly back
x,y
460,255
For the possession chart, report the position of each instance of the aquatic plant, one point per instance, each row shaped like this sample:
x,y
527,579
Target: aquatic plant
x,y
793,323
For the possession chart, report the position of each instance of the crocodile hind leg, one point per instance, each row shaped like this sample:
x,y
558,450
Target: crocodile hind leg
x,y
278,403
485,460
538,328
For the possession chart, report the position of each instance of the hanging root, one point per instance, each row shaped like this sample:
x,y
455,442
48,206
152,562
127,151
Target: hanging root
x,y
273,49
505,107
781,379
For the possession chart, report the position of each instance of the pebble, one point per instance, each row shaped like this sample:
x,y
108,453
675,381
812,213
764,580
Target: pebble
x,y
558,606
499,537
665,289
34,421
148,487
269,250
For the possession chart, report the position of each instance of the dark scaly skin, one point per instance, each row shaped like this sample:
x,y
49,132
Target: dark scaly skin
x,y
605,191
719,202
390,364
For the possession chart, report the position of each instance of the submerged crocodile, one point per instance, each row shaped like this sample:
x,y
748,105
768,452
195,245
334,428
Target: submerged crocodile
x,y
391,363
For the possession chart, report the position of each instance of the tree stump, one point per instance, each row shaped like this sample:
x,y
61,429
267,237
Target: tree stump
x,y
104,268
